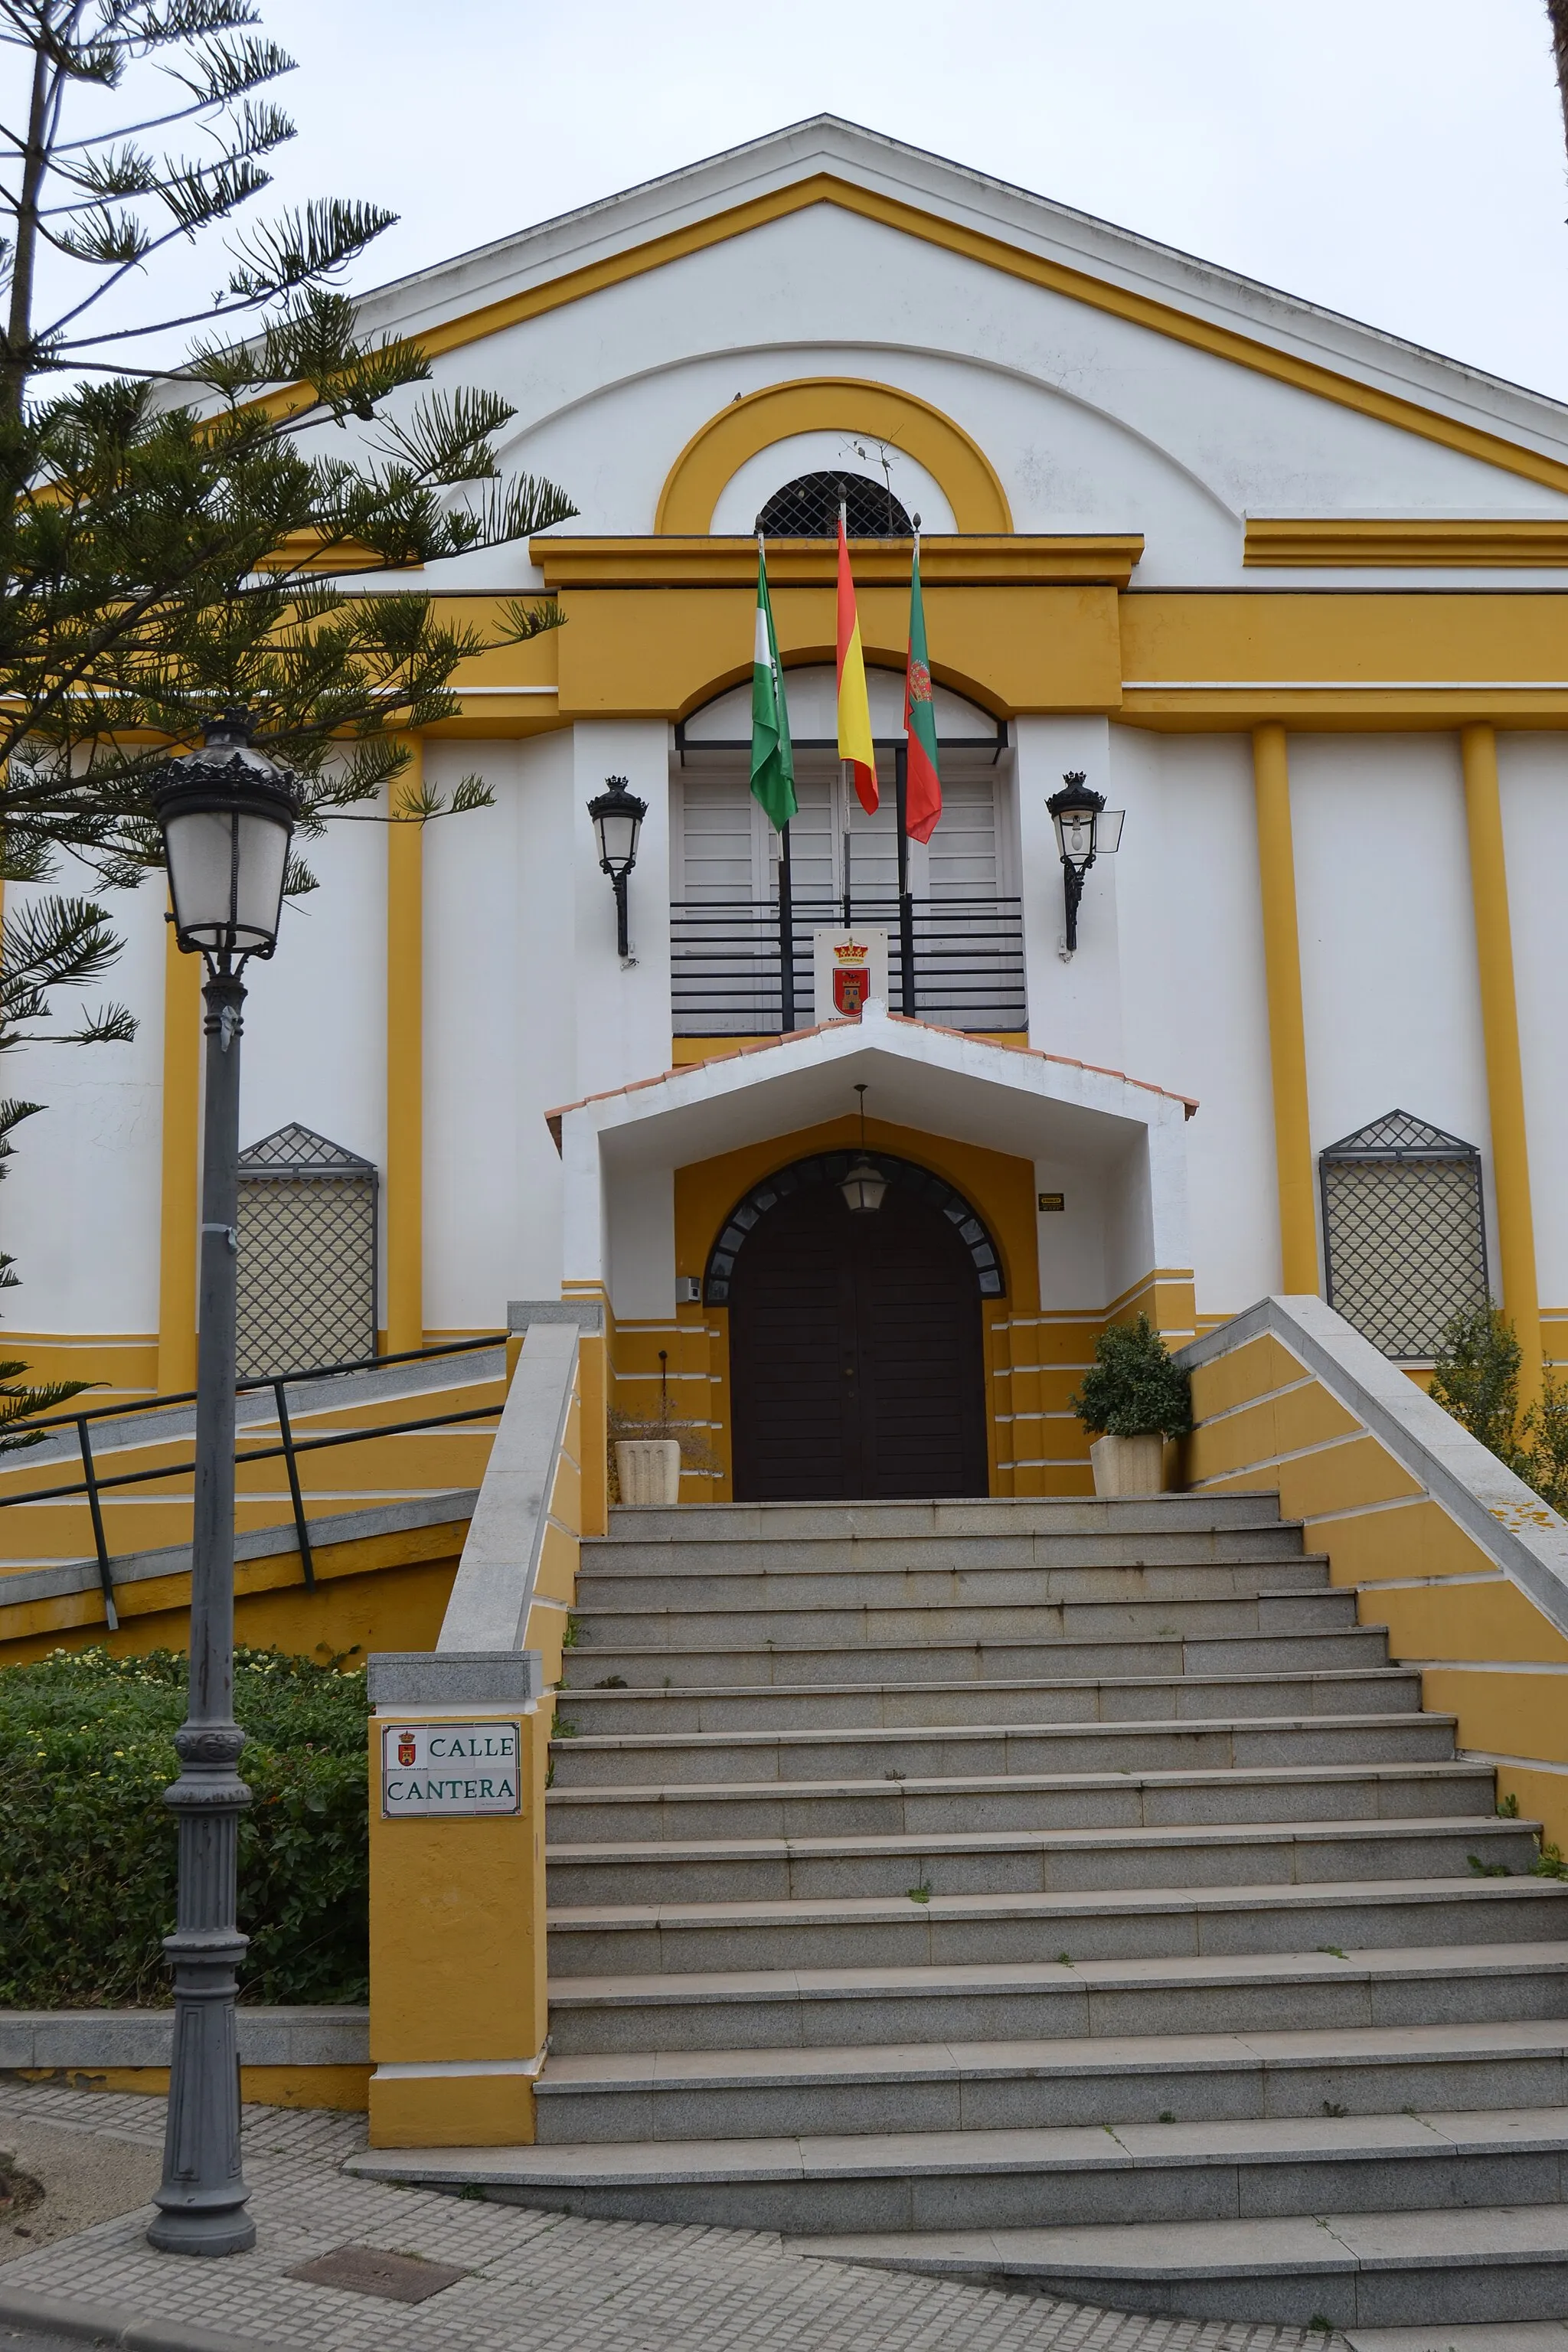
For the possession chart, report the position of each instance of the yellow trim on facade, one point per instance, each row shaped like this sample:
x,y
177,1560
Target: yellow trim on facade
x,y
1422,541
1161,318
1505,1075
405,1070
178,1204
1266,1423
988,559
1287,1031
881,411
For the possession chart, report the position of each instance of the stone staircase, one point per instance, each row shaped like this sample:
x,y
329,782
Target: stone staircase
x,y
1063,1895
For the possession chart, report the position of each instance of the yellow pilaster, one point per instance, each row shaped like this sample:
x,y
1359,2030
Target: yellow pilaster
x,y
457,1927
178,1206
406,1071
1500,1027
1286,1032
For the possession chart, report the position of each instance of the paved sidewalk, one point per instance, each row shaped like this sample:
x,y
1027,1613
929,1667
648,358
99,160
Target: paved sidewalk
x,y
532,2278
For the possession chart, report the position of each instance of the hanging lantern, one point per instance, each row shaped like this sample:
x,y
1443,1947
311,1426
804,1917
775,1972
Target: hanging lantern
x,y
865,1184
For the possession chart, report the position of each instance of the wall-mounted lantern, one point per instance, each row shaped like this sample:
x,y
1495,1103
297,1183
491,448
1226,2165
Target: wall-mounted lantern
x,y
1086,829
865,1183
618,816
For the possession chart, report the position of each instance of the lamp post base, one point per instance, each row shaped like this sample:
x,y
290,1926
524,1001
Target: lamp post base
x,y
193,2232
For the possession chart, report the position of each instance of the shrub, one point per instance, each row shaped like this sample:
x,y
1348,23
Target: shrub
x,y
1133,1389
1476,1378
87,1845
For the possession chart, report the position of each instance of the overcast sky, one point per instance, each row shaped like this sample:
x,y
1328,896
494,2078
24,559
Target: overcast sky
x,y
1400,160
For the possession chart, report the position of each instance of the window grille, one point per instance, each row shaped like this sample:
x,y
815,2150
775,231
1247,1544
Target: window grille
x,y
1404,1242
307,1253
808,508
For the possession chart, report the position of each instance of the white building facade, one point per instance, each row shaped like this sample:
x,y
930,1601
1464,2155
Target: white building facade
x,y
1288,591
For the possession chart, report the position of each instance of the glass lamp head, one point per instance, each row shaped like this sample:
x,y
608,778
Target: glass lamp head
x,y
227,815
1075,812
618,816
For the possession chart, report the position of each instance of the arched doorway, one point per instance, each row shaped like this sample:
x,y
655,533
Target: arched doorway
x,y
857,1366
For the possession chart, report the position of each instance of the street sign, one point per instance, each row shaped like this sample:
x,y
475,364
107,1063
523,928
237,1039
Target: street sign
x,y
449,1768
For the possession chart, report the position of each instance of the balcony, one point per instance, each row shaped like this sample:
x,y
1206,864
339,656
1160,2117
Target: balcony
x,y
954,960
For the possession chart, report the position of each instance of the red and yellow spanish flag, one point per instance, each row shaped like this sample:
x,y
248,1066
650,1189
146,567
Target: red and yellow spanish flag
x,y
854,708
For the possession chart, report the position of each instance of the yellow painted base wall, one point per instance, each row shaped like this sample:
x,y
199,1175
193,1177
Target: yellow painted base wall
x,y
1034,1356
386,1592
1265,1422
341,2088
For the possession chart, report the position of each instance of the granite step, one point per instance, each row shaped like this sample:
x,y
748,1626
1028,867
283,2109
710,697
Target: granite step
x,y
900,1805
614,1708
734,1578
802,1622
1489,2276
695,1759
1027,1861
650,1664
1074,2176
607,1938
1290,2073
1209,1517
809,2009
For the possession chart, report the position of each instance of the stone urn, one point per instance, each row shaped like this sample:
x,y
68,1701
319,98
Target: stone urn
x,y
648,1469
1128,1465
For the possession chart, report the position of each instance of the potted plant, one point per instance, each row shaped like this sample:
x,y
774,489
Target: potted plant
x,y
1133,1397
647,1451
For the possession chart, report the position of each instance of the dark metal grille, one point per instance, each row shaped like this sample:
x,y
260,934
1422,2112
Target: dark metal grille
x,y
808,508
1403,1232
831,1167
307,1253
966,964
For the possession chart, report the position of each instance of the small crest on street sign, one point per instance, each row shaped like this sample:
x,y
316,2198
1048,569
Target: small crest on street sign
x,y
450,1768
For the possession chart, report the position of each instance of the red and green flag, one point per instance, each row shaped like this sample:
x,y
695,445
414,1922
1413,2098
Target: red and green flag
x,y
923,795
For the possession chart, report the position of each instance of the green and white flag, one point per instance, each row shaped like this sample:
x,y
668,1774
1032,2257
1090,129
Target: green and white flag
x,y
772,755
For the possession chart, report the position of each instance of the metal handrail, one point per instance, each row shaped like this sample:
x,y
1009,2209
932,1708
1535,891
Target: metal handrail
x,y
93,1485
264,1380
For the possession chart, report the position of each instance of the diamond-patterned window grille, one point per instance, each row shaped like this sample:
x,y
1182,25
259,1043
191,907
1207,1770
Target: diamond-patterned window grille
x,y
307,1253
1405,1239
808,508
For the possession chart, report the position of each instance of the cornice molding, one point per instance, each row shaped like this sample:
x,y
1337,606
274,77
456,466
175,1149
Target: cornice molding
x,y
971,561
1346,542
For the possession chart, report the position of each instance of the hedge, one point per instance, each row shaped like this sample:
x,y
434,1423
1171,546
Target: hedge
x,y
87,1845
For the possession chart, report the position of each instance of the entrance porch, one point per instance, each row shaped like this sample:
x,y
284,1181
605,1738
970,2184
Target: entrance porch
x,y
926,1347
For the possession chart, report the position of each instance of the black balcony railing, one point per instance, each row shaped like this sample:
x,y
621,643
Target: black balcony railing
x,y
957,961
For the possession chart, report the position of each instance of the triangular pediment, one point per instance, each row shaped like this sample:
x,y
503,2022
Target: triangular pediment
x,y
1026,237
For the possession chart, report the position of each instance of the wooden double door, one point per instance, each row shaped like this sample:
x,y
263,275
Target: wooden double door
x,y
855,1359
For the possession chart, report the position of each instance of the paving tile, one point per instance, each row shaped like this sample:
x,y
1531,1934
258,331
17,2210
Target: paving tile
x,y
531,2277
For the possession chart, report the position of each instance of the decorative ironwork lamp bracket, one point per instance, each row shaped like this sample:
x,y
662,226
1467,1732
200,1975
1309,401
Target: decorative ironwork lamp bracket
x,y
1085,829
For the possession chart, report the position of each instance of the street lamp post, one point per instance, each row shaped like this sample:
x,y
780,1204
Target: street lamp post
x,y
227,815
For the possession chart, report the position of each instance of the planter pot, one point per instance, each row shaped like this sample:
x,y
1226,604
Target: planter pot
x,y
1128,1465
648,1469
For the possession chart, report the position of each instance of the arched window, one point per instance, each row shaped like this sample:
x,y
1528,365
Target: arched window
x,y
808,508
1404,1243
307,1253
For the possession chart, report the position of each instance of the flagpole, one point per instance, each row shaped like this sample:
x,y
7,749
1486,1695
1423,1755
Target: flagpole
x,y
786,935
901,795
845,767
